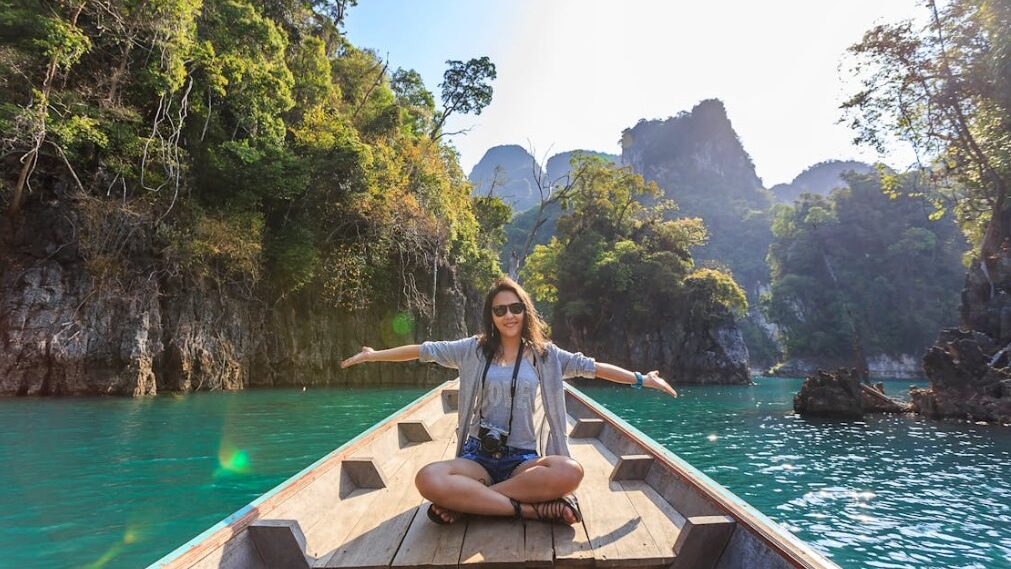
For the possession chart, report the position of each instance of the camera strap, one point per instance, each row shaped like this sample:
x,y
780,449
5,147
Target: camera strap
x,y
512,388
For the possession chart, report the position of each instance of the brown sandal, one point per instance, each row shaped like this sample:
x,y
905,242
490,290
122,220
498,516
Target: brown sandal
x,y
555,509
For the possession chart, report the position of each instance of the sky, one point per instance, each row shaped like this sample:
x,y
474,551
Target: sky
x,y
575,73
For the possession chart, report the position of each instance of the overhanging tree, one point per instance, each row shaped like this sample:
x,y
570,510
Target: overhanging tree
x,y
945,88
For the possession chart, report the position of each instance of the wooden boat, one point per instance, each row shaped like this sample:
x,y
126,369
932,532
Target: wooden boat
x,y
358,507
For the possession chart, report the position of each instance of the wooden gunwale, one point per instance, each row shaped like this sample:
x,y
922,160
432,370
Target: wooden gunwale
x,y
219,534
778,541
789,547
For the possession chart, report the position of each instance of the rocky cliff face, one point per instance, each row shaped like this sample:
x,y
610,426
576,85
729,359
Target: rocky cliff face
x,y
684,351
970,378
143,328
698,161
969,369
694,156
510,172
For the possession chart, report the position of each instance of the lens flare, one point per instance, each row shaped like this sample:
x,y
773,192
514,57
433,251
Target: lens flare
x,y
403,323
231,461
131,535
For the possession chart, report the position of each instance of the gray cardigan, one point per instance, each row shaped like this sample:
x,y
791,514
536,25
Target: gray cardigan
x,y
554,366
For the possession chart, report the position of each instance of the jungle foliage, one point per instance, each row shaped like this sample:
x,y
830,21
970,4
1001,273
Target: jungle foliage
x,y
944,86
859,270
616,263
253,135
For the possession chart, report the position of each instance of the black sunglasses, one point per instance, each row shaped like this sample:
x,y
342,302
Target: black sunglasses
x,y
515,308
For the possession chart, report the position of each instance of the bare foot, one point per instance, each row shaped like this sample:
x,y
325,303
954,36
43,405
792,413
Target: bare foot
x,y
447,515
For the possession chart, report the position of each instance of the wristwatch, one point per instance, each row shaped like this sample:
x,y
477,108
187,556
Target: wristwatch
x,y
638,381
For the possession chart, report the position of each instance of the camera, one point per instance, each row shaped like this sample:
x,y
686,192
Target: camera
x,y
493,439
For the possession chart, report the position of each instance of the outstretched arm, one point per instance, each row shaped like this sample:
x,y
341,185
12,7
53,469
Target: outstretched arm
x,y
622,375
398,354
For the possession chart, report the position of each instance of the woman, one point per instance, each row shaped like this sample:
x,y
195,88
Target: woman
x,y
498,471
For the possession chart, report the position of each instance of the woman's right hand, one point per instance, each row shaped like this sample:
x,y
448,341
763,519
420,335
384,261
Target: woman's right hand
x,y
360,357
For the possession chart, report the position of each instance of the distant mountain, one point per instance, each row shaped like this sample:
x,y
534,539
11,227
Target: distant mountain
x,y
697,159
559,164
819,179
510,172
510,167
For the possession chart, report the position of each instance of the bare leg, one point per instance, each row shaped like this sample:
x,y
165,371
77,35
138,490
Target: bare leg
x,y
460,485
542,479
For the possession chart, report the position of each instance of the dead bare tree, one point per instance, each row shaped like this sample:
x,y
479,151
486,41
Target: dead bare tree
x,y
38,127
550,192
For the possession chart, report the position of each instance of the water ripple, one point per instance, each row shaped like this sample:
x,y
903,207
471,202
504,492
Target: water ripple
x,y
881,492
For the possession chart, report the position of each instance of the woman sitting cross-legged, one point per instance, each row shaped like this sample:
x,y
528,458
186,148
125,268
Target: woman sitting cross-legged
x,y
498,470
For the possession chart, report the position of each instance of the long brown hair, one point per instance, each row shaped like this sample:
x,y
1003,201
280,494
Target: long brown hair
x,y
533,326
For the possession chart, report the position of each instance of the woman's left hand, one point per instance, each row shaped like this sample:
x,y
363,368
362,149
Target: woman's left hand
x,y
654,381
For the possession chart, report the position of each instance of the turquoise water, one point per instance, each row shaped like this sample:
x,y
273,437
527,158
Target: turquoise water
x,y
120,482
104,483
887,491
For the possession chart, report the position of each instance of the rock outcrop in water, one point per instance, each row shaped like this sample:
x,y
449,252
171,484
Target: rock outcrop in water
x,y
685,351
970,378
830,395
64,331
842,394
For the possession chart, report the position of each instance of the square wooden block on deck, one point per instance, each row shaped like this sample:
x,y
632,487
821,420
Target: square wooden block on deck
x,y
587,429
364,472
702,541
632,467
414,432
280,543
450,399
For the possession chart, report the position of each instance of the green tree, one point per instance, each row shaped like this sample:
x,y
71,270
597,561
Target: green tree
x,y
617,263
418,102
259,143
946,89
858,274
465,89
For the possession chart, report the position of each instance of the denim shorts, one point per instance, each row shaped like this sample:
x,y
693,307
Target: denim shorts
x,y
499,468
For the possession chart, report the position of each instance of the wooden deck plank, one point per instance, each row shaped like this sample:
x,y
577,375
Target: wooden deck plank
x,y
376,537
336,519
538,544
332,519
660,518
493,542
572,543
616,530
429,545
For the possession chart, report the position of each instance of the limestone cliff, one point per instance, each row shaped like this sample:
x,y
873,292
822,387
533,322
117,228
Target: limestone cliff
x,y
509,172
969,369
70,324
687,350
698,161
820,179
